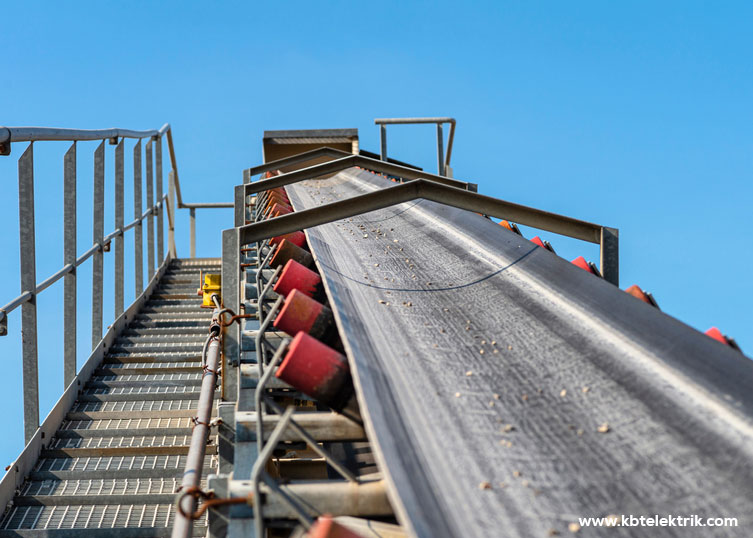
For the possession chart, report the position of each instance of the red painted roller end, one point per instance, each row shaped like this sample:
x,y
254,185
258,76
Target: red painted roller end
x,y
537,241
298,313
316,370
297,238
644,296
295,276
281,209
288,251
581,262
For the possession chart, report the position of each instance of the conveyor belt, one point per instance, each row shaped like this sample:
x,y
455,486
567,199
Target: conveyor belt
x,y
508,392
115,462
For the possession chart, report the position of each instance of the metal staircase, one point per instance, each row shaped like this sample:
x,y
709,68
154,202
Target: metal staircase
x,y
114,465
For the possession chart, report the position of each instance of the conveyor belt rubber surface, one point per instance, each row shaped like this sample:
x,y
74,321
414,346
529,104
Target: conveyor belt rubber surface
x,y
508,392
116,461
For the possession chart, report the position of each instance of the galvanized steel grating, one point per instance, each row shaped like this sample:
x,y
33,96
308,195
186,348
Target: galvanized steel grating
x,y
152,368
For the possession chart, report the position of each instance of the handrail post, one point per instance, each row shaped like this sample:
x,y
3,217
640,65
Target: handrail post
x,y
98,232
28,283
119,222
609,255
192,213
138,241
160,209
69,257
171,214
383,142
440,150
149,205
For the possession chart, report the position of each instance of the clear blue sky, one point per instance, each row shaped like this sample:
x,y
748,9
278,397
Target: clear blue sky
x,y
637,116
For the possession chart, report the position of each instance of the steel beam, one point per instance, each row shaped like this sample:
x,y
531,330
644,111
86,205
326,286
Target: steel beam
x,y
299,158
119,222
149,204
344,163
69,258
28,283
429,190
138,241
160,209
98,232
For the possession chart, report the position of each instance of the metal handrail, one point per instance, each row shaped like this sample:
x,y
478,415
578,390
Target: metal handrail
x,y
443,164
157,202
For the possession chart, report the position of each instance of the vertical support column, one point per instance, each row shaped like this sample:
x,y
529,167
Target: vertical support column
x,y
383,142
193,231
160,209
440,150
246,176
239,205
119,223
150,218
69,257
138,238
231,281
28,283
98,232
610,255
171,214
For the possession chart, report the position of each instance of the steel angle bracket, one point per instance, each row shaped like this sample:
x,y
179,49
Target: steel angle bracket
x,y
350,161
607,238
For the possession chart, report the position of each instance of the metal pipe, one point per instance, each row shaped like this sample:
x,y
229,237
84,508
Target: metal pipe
x,y
49,281
440,150
209,205
28,134
405,121
195,459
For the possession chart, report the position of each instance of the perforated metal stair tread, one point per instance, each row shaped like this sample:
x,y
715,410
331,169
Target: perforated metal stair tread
x,y
114,464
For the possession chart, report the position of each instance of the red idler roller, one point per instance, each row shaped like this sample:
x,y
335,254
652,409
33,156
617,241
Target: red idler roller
x,y
326,527
716,334
276,201
289,251
295,276
302,313
581,262
297,238
644,296
543,244
319,372
278,209
510,226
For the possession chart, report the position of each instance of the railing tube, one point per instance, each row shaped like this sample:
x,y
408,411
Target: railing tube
x,y
192,213
197,449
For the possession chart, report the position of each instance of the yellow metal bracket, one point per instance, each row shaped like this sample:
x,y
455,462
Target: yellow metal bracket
x,y
210,286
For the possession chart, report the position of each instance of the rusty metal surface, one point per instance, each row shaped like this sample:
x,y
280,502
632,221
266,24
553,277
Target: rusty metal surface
x,y
508,393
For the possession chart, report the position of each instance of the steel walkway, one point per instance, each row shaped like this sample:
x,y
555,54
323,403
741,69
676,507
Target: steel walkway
x,y
114,465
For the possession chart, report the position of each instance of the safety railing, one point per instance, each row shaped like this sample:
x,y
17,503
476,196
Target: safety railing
x,y
443,162
157,203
